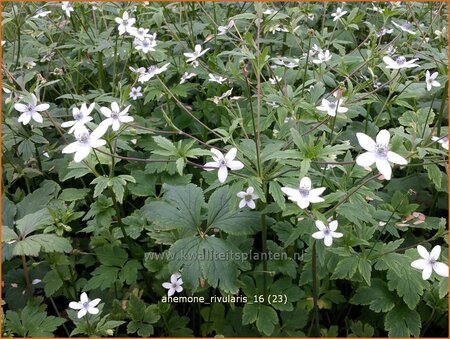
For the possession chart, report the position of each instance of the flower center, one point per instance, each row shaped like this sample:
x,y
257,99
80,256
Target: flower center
x,y
248,197
304,192
381,150
83,138
86,304
223,162
30,108
115,115
125,22
400,60
327,231
174,286
152,69
78,115
332,105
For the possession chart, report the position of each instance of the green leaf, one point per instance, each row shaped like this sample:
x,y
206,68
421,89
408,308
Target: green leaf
x,y
180,165
213,259
435,175
365,268
101,183
111,255
165,144
103,277
73,194
31,322
237,222
37,200
346,268
402,322
52,283
129,272
265,317
180,210
277,194
48,243
34,221
118,188
377,296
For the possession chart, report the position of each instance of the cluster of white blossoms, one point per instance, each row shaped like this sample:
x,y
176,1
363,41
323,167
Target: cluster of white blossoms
x,y
143,40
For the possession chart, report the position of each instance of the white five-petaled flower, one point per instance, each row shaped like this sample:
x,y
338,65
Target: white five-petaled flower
x,y
278,28
186,76
404,27
174,285
442,140
151,72
322,57
125,24
304,194
276,80
327,233
142,33
286,62
332,107
217,99
338,14
223,163
224,29
145,45
40,13
85,142
80,118
114,117
399,63
85,305
429,262
135,92
198,52
31,110
378,153
247,198
431,80
216,78
384,31
67,7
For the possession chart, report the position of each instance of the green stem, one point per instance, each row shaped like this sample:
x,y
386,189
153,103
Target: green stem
x,y
26,274
314,290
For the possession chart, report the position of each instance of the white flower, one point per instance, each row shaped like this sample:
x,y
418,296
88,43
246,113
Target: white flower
x,y
338,14
174,285
80,118
285,62
197,53
186,76
125,24
217,99
384,31
36,281
323,56
216,78
67,7
248,198
378,153
31,111
114,117
151,72
331,107
441,34
146,45
399,63
135,92
327,233
311,16
442,140
140,70
304,194
85,305
85,142
142,33
376,9
224,29
274,81
222,163
40,13
404,27
431,80
278,28
269,11
430,263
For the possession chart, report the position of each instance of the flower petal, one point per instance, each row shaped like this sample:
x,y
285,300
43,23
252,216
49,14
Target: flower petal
x,y
302,202
42,107
242,203
211,166
106,111
81,313
167,285
316,191
396,158
318,235
441,269
420,264
251,204
95,302
423,252
179,288
21,107
426,273
366,142
171,292
222,174
93,310
333,225
84,298
235,165
231,154
71,148
337,235
217,153
82,153
320,225
383,137
305,182
37,117
328,240
365,159
384,168
435,252
76,306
